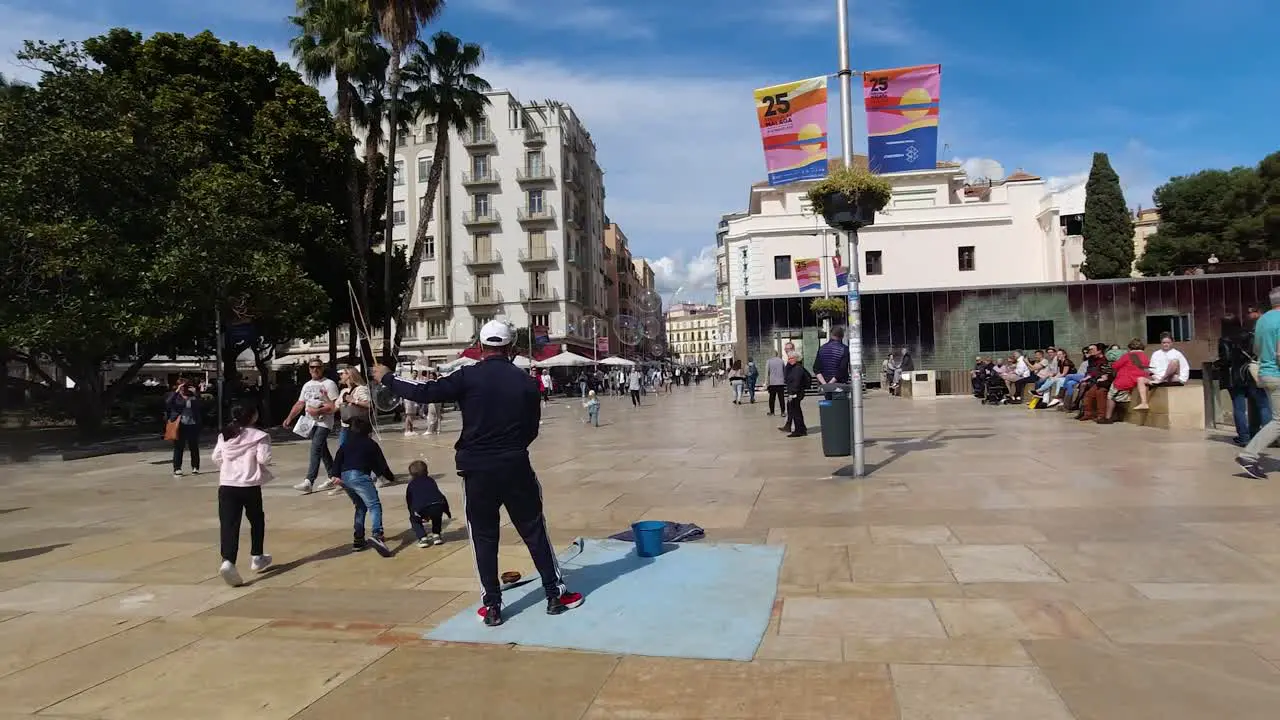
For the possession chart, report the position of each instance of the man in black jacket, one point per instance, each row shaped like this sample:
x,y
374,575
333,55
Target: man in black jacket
x,y
501,410
797,382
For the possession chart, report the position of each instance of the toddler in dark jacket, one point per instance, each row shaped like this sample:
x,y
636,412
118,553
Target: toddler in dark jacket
x,y
425,502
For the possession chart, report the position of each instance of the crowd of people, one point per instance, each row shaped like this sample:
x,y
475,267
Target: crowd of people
x,y
1106,377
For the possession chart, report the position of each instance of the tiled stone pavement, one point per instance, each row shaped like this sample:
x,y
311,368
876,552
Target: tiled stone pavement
x,y
998,564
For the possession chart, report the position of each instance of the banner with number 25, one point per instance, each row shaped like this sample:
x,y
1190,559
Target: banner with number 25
x,y
793,128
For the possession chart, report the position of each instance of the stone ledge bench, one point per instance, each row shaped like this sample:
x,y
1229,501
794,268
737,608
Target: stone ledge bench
x,y
1177,407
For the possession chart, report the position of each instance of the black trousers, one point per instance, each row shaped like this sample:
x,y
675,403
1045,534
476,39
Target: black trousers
x,y
434,513
635,398
1020,385
776,392
515,487
795,415
234,502
188,439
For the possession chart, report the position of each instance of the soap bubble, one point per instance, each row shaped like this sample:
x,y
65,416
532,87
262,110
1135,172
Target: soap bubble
x,y
651,328
627,329
657,349
649,301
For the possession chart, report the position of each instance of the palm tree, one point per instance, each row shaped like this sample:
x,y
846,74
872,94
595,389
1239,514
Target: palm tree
x,y
445,88
399,24
337,39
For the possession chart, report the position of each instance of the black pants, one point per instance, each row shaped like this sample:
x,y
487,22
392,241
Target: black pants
x,y
795,415
188,439
776,393
516,488
635,398
233,502
1021,384
434,513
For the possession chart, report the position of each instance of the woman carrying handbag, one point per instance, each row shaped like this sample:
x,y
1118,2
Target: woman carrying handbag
x,y
183,412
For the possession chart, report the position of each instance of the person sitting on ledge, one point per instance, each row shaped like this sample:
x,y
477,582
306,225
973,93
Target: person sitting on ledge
x,y
1031,376
1054,385
1097,385
1168,365
1130,372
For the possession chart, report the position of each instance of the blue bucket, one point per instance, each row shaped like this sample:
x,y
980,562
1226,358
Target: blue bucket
x,y
648,537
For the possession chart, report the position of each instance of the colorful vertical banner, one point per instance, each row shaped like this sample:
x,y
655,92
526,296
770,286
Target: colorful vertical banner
x,y
840,271
809,274
793,127
540,335
602,344
902,117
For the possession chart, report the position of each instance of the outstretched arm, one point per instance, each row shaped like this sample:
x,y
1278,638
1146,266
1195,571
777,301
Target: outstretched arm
x,y
447,389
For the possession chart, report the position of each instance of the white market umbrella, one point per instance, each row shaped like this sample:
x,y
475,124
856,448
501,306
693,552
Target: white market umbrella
x,y
620,362
564,359
521,361
455,364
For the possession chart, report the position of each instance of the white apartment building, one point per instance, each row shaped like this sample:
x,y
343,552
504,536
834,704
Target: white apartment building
x,y
938,231
517,230
693,333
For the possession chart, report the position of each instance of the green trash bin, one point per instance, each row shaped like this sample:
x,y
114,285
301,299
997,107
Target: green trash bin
x,y
833,415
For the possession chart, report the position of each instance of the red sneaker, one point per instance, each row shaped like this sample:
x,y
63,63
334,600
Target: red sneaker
x,y
490,615
566,601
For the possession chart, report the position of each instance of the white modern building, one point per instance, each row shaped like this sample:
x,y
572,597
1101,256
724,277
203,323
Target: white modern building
x,y
940,230
516,230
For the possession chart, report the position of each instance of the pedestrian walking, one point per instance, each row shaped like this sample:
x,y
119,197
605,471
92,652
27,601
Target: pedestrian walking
x,y
242,455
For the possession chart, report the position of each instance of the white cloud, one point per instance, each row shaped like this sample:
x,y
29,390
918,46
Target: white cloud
x,y
682,278
980,167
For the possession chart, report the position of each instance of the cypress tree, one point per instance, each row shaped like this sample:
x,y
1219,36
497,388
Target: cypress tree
x,y
1108,226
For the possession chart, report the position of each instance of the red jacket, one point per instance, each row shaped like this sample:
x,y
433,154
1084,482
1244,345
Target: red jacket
x,y
1128,371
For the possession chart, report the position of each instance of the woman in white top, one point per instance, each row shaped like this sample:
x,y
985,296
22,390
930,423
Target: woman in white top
x,y
353,400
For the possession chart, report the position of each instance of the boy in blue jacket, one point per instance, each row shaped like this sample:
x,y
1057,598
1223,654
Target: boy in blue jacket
x,y
358,461
425,502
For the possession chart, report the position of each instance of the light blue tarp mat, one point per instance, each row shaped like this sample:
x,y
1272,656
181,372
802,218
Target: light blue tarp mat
x,y
704,601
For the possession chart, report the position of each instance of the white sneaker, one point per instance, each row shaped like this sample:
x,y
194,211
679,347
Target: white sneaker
x,y
1054,403
383,482
260,563
325,484
410,433
303,487
195,471
436,540
229,574
177,473
425,542
337,491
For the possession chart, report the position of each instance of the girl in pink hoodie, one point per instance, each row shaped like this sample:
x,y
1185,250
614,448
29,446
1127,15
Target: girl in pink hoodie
x,y
242,455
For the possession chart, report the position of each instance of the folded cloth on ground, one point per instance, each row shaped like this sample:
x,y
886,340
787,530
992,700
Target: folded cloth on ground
x,y
672,532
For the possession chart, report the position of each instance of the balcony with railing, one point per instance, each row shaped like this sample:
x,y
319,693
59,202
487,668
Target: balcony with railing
x,y
538,255
537,295
570,178
535,174
577,295
482,297
488,177
479,137
534,137
478,217
545,213
484,257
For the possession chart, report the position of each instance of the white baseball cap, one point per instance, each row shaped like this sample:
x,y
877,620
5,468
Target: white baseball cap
x,y
496,333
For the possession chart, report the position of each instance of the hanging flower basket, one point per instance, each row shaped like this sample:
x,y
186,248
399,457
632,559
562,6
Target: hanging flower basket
x,y
849,198
829,308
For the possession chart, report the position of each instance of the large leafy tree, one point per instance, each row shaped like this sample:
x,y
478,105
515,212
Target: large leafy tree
x,y
399,24
145,185
1108,226
1233,215
444,87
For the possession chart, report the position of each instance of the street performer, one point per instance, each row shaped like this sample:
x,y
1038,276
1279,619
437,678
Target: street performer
x,y
501,412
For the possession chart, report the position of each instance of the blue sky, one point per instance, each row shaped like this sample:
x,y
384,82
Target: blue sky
x,y
1166,87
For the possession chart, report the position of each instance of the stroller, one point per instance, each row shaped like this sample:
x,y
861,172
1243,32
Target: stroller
x,y
994,389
